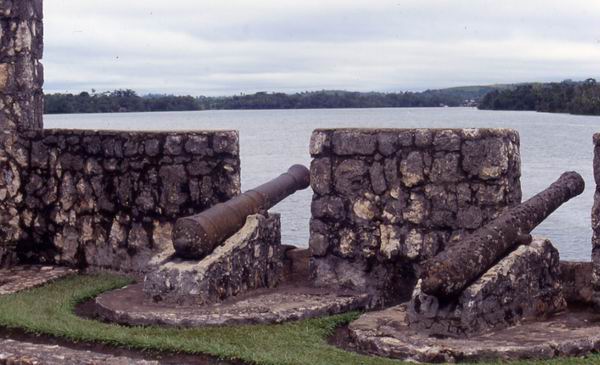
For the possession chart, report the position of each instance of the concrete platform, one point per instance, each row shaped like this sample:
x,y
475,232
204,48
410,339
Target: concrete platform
x,y
575,332
263,306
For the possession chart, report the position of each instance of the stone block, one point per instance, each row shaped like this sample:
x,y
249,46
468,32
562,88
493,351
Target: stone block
x,y
488,159
387,143
321,175
354,142
250,259
351,177
21,9
21,75
320,142
328,207
447,140
227,142
197,145
576,278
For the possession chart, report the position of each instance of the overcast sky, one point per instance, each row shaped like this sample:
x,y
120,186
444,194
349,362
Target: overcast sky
x,y
223,47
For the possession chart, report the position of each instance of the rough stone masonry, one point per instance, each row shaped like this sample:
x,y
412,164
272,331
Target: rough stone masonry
x,y
91,198
596,225
21,107
109,199
250,259
386,200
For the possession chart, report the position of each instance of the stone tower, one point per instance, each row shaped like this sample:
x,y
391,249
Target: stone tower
x,y
21,109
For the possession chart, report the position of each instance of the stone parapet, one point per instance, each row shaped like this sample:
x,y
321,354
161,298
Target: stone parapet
x,y
250,259
109,199
387,199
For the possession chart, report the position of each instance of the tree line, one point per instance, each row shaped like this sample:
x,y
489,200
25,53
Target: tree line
x,y
115,102
129,101
557,97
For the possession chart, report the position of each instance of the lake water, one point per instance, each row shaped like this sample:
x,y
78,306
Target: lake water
x,y
273,140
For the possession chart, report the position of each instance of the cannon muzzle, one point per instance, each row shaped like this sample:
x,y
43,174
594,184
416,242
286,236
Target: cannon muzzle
x,y
197,236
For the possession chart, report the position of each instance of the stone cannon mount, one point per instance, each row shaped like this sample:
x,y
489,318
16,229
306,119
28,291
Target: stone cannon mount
x,y
493,278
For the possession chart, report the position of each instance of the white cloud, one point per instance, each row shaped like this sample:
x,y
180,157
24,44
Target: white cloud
x,y
226,47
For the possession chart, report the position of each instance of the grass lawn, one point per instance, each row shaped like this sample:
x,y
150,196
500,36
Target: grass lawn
x,y
49,310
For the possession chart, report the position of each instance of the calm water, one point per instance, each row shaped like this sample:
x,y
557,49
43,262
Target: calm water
x,y
272,140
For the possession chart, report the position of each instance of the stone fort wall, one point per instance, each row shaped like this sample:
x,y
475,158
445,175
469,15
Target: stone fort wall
x,y
21,108
385,200
108,199
104,198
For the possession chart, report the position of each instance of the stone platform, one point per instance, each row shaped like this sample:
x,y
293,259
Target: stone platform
x,y
575,332
25,353
20,278
262,306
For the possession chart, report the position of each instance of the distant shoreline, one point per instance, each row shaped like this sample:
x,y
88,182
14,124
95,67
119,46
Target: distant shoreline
x,y
571,97
266,109
247,110
130,101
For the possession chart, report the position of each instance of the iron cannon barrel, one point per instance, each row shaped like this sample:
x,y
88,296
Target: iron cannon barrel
x,y
197,236
451,271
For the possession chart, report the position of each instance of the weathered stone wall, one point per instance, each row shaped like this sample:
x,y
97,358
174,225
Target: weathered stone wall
x,y
385,200
14,164
250,259
21,108
109,199
596,224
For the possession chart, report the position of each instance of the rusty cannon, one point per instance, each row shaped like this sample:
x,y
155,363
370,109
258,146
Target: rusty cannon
x,y
451,271
197,236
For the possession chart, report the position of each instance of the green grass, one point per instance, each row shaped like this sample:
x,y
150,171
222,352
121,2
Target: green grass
x,y
49,310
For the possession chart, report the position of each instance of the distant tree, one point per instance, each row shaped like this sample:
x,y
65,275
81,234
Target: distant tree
x,y
564,97
126,100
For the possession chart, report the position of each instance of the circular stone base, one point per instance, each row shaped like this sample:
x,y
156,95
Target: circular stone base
x,y
128,306
385,333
